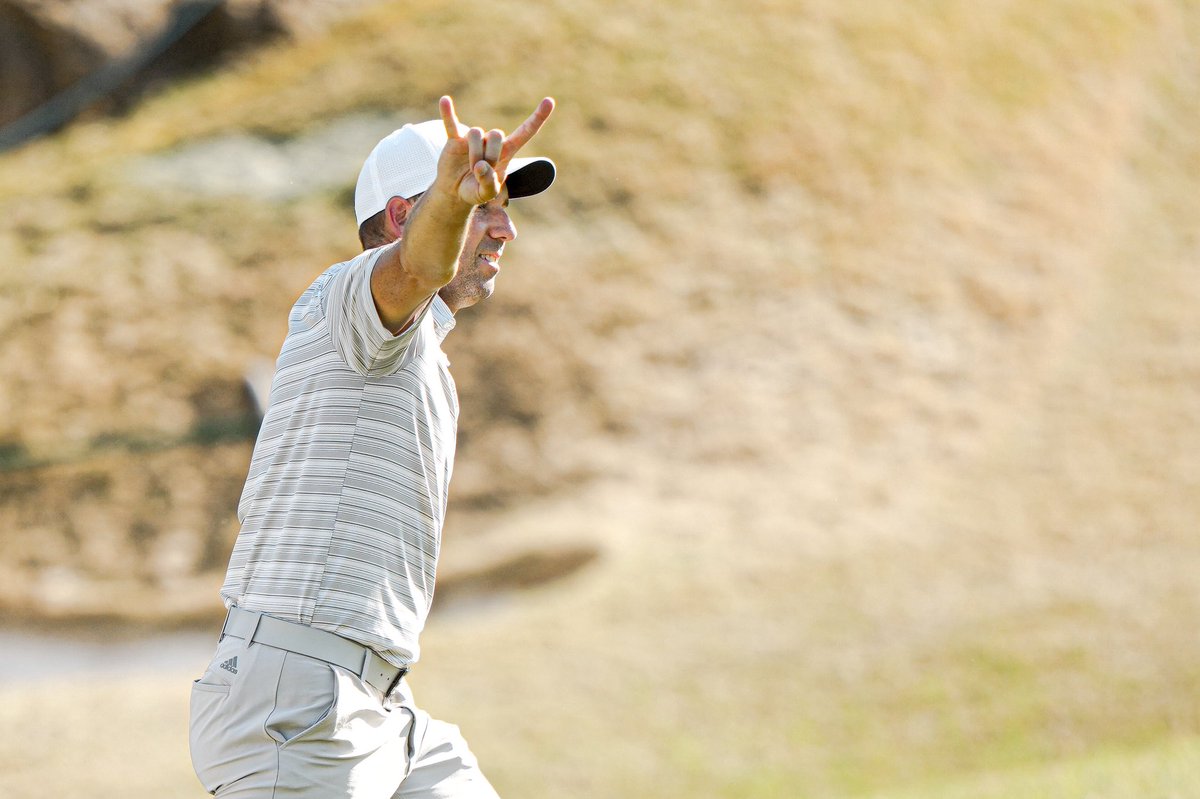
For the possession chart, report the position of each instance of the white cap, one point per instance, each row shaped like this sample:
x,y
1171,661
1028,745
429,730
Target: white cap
x,y
404,164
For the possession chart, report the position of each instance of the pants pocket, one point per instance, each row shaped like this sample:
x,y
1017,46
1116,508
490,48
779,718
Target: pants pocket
x,y
305,700
206,729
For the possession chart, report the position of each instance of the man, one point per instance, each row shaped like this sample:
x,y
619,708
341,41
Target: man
x,y
332,574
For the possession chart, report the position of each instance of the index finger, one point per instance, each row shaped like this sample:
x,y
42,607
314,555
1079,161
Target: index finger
x,y
519,137
449,118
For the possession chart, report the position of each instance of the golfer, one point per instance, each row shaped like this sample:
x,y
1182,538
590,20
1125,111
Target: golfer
x,y
332,574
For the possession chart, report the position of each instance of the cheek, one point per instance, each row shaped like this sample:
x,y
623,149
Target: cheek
x,y
468,274
476,230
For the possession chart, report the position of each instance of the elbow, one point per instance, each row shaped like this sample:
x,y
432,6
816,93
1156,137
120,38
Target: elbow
x,y
422,274
429,270
438,276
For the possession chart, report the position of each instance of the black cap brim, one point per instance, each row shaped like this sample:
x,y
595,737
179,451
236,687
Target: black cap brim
x,y
529,176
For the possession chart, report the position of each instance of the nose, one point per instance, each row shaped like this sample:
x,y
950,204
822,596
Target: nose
x,y
501,226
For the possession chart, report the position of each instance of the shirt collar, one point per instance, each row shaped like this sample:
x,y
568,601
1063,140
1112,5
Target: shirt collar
x,y
443,318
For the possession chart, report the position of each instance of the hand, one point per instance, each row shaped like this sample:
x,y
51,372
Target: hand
x,y
477,163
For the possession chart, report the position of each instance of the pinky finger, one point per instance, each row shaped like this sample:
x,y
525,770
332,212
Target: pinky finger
x,y
527,130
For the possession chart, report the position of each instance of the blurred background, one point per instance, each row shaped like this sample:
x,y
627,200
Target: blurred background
x,y
833,431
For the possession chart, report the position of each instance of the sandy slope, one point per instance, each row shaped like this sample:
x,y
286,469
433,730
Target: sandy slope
x,y
857,345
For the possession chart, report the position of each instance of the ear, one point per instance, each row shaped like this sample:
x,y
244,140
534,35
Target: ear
x,y
397,210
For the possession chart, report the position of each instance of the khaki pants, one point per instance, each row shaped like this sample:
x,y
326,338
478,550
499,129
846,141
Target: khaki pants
x,y
267,724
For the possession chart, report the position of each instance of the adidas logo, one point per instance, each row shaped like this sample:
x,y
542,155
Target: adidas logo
x,y
230,665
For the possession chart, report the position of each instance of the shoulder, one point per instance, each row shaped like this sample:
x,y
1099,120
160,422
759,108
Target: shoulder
x,y
355,269
341,278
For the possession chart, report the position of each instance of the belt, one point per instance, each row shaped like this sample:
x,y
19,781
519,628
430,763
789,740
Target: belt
x,y
355,658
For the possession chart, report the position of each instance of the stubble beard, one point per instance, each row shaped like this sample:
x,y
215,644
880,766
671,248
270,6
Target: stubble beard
x,y
468,287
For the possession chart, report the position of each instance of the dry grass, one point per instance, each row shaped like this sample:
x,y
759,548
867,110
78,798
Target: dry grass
x,y
859,339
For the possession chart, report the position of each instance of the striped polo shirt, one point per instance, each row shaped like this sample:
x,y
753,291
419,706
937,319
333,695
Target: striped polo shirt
x,y
343,507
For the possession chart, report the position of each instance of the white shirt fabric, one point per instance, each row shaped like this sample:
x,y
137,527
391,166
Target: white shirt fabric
x,y
343,507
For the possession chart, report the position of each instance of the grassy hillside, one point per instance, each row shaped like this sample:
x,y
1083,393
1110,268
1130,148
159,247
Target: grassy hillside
x,y
853,357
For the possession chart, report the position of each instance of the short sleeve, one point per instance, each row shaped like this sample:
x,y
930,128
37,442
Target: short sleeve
x,y
359,336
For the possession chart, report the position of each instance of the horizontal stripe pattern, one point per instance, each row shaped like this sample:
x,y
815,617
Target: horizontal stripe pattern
x,y
343,506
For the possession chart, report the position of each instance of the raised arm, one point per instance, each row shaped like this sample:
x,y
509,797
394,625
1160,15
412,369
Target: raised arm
x,y
471,171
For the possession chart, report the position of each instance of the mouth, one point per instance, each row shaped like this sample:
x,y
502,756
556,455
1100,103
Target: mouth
x,y
491,259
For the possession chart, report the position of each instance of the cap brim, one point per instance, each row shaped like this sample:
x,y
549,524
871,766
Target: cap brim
x,y
529,176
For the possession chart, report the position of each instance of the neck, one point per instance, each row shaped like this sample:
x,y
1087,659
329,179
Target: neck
x,y
454,303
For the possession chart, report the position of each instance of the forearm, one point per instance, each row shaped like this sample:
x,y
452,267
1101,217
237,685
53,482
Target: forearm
x,y
433,238
422,261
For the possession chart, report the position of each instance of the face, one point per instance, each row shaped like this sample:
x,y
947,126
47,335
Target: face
x,y
489,229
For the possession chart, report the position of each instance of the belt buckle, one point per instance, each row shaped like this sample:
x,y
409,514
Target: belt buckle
x,y
395,681
370,657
